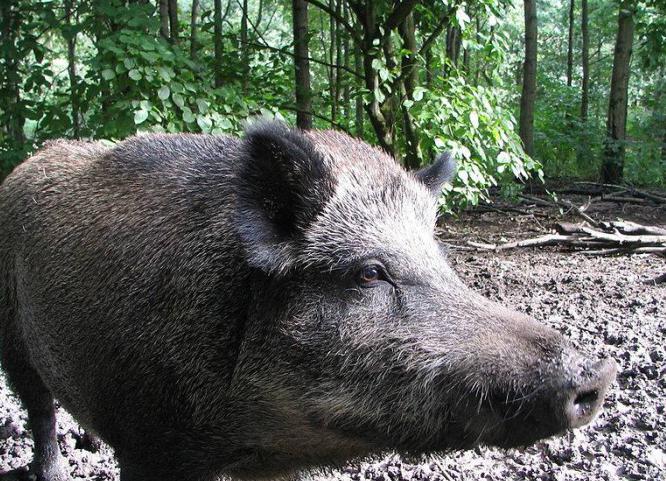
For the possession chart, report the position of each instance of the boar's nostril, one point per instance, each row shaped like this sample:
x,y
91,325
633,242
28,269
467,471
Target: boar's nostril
x,y
584,402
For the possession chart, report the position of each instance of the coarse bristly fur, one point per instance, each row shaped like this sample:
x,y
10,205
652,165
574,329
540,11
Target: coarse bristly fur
x,y
250,307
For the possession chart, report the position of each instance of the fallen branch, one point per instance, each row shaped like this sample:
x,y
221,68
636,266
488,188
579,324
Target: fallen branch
x,y
580,211
619,237
547,240
636,192
626,250
632,228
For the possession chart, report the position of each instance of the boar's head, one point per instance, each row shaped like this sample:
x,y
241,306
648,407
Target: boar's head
x,y
360,336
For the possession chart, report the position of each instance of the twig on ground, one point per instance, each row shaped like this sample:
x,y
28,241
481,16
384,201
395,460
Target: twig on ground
x,y
619,237
561,203
634,191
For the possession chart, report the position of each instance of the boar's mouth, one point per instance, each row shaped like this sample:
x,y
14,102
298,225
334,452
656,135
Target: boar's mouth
x,y
518,420
505,419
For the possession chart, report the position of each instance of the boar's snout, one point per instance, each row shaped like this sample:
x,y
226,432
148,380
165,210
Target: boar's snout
x,y
571,395
584,398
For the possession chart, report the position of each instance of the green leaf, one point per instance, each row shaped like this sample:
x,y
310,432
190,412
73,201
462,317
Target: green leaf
x,y
384,74
474,119
129,63
202,105
204,123
179,100
225,123
134,74
140,116
418,93
108,74
188,116
164,92
462,17
503,158
164,73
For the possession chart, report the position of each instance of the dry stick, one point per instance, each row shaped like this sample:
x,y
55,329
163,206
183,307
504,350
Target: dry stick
x,y
550,239
626,250
507,209
622,200
627,227
561,203
623,227
625,239
633,190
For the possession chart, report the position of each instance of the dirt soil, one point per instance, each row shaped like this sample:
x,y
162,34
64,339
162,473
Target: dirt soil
x,y
600,303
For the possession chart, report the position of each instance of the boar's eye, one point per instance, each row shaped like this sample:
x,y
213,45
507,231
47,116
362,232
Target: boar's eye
x,y
371,275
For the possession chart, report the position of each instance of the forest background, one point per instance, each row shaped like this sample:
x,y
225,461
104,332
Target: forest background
x,y
564,89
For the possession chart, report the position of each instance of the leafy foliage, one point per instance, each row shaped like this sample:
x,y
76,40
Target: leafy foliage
x,y
129,78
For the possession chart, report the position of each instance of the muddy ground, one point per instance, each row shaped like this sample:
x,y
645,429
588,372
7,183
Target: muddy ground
x,y
601,303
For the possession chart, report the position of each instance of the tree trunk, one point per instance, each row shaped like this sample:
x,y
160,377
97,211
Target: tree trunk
x,y
663,150
346,93
164,19
217,40
193,30
245,52
570,44
585,60
173,21
428,67
358,107
338,60
453,43
614,145
410,74
528,95
71,69
10,85
331,60
302,65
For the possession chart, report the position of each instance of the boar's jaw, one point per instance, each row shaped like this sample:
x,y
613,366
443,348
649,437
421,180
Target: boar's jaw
x,y
568,397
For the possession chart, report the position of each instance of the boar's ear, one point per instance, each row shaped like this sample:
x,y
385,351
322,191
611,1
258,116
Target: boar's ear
x,y
441,171
282,184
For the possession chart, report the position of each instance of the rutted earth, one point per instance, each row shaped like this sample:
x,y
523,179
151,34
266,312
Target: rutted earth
x,y
601,303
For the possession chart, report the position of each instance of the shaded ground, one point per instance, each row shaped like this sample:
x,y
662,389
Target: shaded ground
x,y
599,302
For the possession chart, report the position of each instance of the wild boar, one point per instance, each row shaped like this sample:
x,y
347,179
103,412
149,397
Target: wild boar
x,y
250,307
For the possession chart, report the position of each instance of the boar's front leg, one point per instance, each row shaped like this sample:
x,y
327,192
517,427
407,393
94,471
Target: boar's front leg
x,y
47,463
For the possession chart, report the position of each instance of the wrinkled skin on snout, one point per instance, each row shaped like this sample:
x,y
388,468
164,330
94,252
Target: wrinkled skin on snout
x,y
249,307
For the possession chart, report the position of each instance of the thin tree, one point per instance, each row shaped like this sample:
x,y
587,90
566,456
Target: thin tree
x,y
614,145
572,5
10,20
346,92
244,48
302,64
70,39
173,21
528,95
358,102
410,79
193,30
338,59
217,41
585,60
164,19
